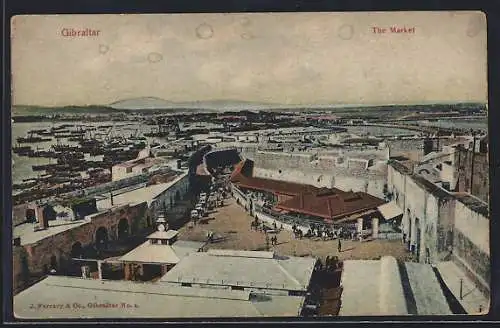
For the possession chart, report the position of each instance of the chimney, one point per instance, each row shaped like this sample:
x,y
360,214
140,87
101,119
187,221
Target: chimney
x,y
43,222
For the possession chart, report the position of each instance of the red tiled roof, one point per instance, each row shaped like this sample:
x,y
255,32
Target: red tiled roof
x,y
322,202
237,170
331,203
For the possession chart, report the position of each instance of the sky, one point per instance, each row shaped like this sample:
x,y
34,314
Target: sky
x,y
282,58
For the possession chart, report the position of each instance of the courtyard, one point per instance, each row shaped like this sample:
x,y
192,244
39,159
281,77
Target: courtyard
x,y
231,229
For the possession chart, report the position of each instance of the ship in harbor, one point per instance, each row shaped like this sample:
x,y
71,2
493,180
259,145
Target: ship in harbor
x,y
32,139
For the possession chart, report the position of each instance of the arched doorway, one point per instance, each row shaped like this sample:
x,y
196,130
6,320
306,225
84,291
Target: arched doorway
x,y
123,229
77,250
101,238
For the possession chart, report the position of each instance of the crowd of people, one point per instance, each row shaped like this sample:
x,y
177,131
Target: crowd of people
x,y
325,233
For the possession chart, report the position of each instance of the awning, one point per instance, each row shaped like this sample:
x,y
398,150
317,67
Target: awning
x,y
390,210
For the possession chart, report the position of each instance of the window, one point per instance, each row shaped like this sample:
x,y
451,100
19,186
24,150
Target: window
x,y
185,284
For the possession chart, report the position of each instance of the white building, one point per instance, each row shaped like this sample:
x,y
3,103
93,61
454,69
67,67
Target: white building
x,y
58,297
262,272
135,167
159,197
445,228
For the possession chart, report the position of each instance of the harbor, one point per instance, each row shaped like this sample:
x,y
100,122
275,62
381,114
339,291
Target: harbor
x,y
55,158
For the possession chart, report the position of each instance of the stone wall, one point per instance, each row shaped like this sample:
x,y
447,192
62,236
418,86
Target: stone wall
x,y
475,167
474,262
400,146
357,164
471,245
372,184
417,211
474,226
450,229
248,152
444,229
169,197
19,214
38,255
396,186
433,215
364,181
317,179
281,161
169,200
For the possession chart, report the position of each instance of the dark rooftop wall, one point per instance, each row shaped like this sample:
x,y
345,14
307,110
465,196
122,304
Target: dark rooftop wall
x,y
222,158
473,173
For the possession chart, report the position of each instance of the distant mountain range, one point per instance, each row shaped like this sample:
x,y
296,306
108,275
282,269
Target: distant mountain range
x,y
148,103
158,104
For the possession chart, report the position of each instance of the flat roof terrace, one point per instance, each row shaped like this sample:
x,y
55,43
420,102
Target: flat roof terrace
x,y
245,270
28,234
140,194
90,298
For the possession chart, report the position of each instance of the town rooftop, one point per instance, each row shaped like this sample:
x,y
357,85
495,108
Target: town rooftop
x,y
290,273
143,193
91,298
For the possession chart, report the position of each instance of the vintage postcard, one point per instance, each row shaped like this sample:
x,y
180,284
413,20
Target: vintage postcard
x,y
250,165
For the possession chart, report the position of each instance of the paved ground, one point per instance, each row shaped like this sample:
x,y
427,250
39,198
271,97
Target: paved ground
x,y
232,224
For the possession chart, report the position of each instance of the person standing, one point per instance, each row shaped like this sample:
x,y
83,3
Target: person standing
x,y
339,246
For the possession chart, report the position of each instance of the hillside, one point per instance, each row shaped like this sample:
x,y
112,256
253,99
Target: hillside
x,y
153,103
149,104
